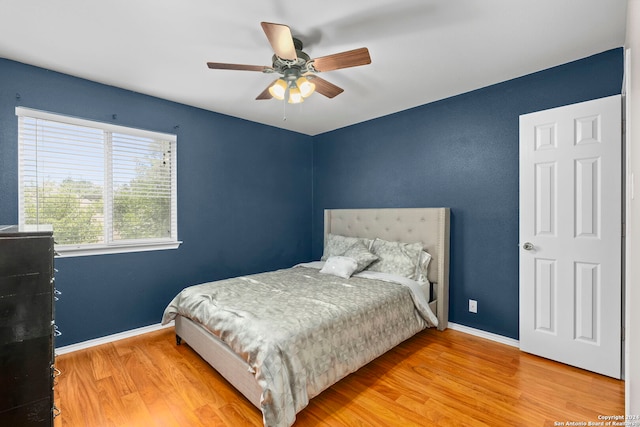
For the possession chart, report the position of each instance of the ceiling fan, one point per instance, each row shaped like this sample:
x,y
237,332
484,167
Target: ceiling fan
x,y
298,71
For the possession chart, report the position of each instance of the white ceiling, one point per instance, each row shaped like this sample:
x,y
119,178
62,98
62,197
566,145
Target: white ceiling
x,y
421,50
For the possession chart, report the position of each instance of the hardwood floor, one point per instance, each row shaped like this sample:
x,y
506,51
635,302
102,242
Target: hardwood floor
x,y
434,379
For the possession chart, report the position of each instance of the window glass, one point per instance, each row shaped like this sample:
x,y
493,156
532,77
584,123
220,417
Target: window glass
x,y
104,188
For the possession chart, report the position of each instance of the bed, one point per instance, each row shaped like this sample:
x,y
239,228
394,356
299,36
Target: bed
x,y
279,377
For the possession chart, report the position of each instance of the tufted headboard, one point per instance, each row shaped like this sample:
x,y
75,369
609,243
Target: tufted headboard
x,y
430,226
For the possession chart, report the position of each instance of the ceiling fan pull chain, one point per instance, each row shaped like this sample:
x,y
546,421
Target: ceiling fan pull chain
x,y
284,104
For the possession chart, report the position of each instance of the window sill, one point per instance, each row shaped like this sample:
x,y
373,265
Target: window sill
x,y
70,251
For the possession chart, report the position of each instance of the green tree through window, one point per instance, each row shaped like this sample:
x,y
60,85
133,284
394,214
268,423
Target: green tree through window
x,y
76,215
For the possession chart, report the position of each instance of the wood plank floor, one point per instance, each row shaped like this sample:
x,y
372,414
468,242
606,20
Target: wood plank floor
x,y
433,379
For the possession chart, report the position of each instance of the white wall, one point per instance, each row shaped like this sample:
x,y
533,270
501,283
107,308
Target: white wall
x,y
632,82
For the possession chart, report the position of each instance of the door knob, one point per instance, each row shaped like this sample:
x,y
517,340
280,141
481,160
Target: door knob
x,y
527,246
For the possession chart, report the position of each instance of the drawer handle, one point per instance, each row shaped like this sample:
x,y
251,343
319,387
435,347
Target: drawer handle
x,y
56,332
56,411
55,374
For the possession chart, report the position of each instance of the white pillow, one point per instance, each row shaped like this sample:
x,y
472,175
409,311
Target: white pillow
x,y
340,266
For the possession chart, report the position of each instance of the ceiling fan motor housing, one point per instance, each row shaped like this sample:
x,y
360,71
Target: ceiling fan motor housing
x,y
291,69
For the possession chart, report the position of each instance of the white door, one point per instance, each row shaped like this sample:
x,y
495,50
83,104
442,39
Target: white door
x,y
570,234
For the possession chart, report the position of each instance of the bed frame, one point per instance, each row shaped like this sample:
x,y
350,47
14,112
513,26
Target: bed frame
x,y
427,225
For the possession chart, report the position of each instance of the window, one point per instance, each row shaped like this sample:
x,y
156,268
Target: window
x,y
104,188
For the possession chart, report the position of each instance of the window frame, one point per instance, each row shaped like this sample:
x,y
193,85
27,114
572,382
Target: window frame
x,y
109,246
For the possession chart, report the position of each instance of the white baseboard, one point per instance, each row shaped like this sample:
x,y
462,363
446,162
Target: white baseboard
x,y
111,338
151,328
483,334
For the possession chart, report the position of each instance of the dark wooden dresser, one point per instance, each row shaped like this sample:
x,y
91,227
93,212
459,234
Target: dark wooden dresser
x,y
26,327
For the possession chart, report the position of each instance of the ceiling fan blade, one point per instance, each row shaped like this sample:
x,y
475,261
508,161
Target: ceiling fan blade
x,y
281,40
265,93
325,88
223,66
350,58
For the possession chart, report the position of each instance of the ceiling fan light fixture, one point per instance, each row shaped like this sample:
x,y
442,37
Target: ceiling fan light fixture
x,y
278,89
306,87
295,97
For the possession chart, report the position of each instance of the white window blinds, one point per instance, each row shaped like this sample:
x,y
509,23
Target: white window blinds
x,y
104,188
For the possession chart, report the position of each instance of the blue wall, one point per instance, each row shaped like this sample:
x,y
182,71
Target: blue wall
x,y
462,153
244,200
251,197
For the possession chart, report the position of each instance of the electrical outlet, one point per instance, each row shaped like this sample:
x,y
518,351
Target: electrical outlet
x,y
473,306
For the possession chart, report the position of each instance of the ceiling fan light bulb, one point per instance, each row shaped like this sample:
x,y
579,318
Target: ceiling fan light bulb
x,y
306,87
278,89
295,97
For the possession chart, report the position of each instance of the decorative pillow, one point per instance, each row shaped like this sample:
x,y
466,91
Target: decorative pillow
x,y
340,266
422,267
360,253
396,257
337,245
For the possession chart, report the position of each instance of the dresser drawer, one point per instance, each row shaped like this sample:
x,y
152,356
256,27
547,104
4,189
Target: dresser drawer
x,y
25,284
33,414
25,372
25,255
23,317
